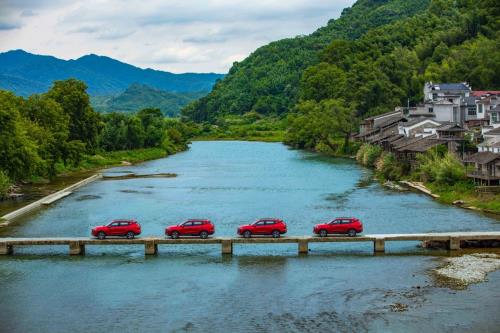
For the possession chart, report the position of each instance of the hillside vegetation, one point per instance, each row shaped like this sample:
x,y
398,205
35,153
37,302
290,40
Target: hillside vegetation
x,y
267,82
140,96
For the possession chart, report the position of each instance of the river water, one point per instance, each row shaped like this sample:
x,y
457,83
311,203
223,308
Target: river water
x,y
261,288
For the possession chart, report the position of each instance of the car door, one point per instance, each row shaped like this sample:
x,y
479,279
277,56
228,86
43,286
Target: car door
x,y
114,228
270,226
335,226
346,225
187,228
259,227
197,226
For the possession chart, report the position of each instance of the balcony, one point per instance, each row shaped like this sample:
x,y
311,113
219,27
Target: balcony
x,y
482,175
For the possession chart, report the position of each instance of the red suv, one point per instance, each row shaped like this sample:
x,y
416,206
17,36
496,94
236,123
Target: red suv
x,y
127,228
193,227
274,227
341,225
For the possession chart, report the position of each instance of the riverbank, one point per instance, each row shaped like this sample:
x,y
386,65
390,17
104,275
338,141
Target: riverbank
x,y
272,137
48,200
443,174
459,195
40,188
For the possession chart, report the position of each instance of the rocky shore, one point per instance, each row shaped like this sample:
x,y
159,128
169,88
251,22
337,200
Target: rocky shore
x,y
460,272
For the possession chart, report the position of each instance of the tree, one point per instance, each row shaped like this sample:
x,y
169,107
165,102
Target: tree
x,y
84,123
18,153
48,126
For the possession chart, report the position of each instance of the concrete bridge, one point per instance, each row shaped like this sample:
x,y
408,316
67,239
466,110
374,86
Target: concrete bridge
x,y
77,245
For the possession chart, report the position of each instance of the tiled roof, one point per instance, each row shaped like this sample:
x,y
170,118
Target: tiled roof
x,y
422,145
451,86
417,121
479,93
495,131
482,157
383,114
451,127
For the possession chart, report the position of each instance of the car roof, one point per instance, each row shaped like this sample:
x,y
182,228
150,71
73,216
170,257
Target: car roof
x,y
124,220
198,220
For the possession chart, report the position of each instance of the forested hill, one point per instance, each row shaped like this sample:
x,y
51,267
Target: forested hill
x,y
140,96
268,80
24,74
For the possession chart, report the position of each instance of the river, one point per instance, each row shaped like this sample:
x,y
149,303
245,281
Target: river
x,y
337,287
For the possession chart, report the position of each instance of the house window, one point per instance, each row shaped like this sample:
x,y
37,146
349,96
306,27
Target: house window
x,y
494,117
471,110
431,110
480,109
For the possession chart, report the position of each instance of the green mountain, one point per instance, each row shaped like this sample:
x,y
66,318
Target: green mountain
x,y
268,80
25,74
451,41
140,96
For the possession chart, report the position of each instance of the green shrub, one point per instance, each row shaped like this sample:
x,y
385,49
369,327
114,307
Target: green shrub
x,y
368,154
4,184
443,169
388,166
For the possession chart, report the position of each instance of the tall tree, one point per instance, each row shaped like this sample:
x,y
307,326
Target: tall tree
x,y
84,121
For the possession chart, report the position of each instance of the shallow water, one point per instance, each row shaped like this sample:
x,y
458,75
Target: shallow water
x,y
337,287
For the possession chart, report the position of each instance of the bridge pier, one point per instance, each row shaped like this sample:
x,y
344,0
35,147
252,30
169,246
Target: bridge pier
x,y
303,246
150,248
227,246
76,248
6,249
379,245
454,243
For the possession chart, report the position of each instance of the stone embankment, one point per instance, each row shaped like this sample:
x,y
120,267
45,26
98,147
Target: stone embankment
x,y
47,200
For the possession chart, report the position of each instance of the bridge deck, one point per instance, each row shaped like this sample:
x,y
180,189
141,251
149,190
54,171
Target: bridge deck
x,y
77,244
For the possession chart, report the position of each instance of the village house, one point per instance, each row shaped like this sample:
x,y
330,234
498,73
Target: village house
x,y
448,112
486,168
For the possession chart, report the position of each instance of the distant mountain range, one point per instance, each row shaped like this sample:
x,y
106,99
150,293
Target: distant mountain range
x,y
24,74
140,96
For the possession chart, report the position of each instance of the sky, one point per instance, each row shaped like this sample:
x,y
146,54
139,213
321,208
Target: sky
x,y
172,35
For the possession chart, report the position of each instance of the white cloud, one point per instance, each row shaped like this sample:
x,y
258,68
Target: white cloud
x,y
173,35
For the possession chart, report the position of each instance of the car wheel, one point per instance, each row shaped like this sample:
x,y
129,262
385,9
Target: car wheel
x,y
203,235
276,234
323,233
130,235
175,235
351,232
101,235
247,234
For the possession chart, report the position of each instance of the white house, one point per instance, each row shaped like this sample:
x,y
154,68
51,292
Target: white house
x,y
449,91
419,127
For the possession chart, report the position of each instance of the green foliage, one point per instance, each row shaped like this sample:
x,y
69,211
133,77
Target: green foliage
x,y
59,131
18,152
251,126
443,169
4,184
84,122
320,123
139,96
368,154
268,80
389,167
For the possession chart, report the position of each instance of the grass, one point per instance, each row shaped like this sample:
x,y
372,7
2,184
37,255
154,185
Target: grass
x,y
114,158
264,136
465,191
